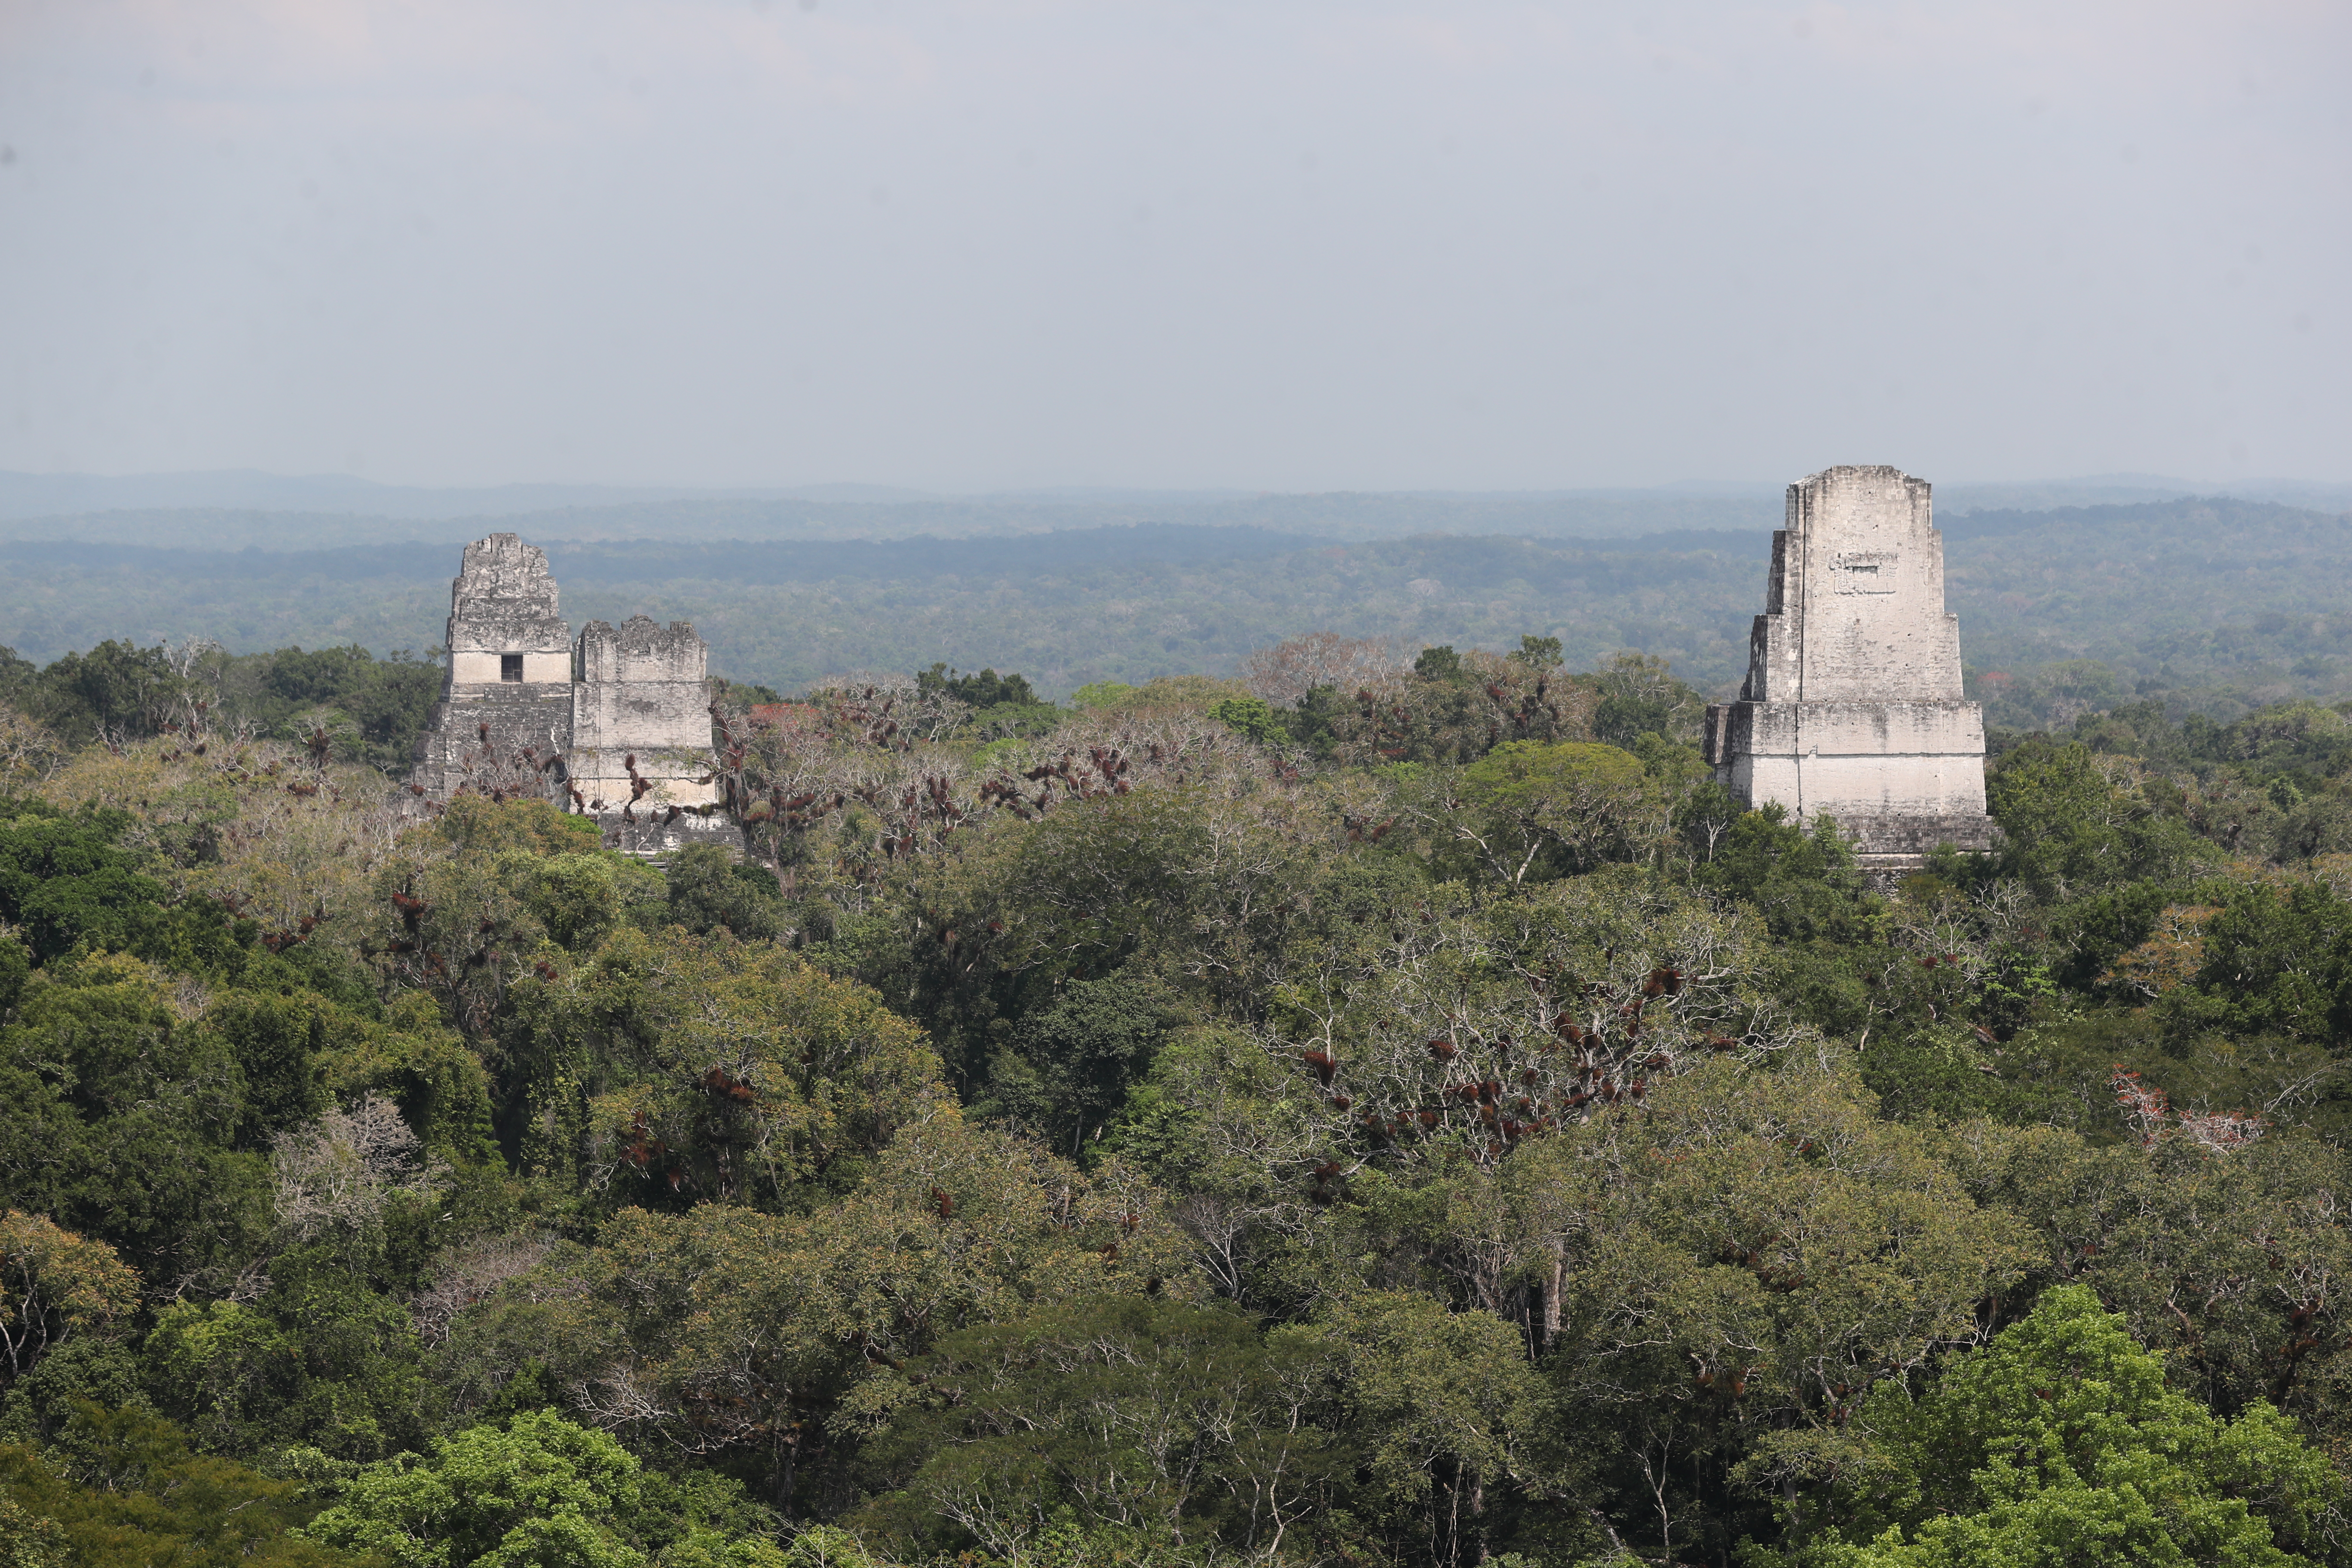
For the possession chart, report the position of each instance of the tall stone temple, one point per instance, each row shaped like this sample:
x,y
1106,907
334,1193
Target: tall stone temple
x,y
1852,704
528,705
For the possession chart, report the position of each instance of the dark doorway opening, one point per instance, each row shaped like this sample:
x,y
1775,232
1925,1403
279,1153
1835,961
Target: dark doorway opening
x,y
510,666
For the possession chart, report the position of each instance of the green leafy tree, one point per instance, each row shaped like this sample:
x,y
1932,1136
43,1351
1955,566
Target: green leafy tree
x,y
1640,696
2065,824
1457,707
54,1284
2060,1442
16,967
1537,653
538,1492
65,881
1737,1264
580,898
116,689
1801,879
708,889
2276,960
319,1360
28,1540
278,1041
1440,663
669,1070
1072,1065
985,689
766,1342
124,1119
1551,809
1104,694
1444,1415
1829,926
125,1487
17,674
1250,717
1178,1425
2222,1254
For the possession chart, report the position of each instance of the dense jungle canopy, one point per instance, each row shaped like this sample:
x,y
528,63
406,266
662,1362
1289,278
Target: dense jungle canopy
x,y
1362,1111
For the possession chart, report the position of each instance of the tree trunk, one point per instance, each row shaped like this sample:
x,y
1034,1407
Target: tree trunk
x,y
1552,1292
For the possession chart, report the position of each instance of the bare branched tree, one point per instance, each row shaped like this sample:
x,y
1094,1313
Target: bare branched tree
x,y
469,1274
1290,668
340,1171
27,751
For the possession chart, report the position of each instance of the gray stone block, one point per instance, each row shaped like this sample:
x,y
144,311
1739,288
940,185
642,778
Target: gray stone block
x,y
1852,703
526,706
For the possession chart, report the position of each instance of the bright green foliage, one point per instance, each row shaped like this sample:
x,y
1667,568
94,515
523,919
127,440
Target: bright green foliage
x,y
2060,1442
2064,824
319,1361
124,1489
542,1493
1250,717
580,898
462,937
1540,809
65,882
2251,1236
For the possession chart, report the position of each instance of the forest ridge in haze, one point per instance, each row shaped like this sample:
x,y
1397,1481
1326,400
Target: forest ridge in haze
x,y
2224,604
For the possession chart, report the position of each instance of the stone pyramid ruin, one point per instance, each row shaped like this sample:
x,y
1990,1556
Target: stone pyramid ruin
x,y
615,723
1852,704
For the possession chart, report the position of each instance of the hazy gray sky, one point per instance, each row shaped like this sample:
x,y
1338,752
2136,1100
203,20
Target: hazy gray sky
x,y
1277,243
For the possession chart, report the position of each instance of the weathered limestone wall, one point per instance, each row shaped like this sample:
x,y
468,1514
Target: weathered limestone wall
x,y
1854,609
583,711
1852,704
641,690
509,681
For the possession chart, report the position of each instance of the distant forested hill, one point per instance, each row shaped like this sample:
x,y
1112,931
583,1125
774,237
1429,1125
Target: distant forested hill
x,y
2229,602
1067,607
2246,602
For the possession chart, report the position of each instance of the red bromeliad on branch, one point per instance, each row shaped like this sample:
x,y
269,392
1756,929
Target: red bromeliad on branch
x,y
2150,1112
